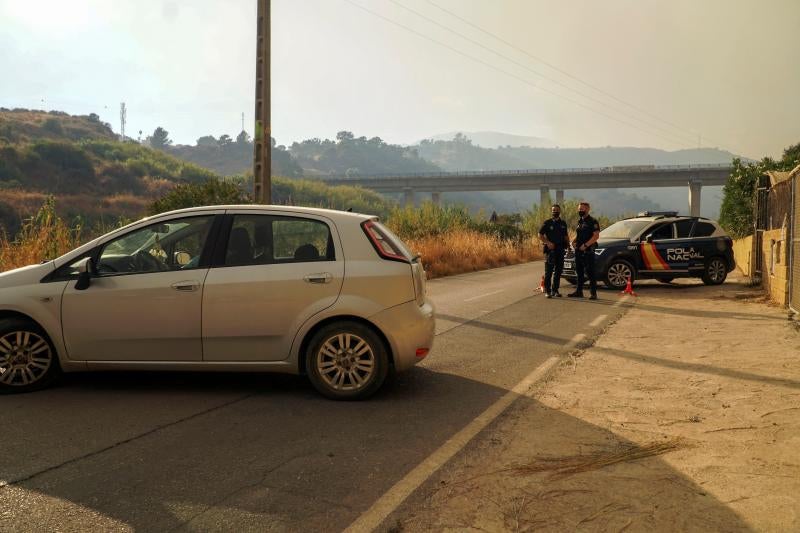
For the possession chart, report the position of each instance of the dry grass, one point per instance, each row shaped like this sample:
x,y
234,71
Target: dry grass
x,y
43,236
462,250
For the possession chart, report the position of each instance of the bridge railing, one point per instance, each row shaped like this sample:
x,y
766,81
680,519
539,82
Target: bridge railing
x,y
577,171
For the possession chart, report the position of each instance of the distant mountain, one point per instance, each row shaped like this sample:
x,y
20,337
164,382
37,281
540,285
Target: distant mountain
x,y
496,139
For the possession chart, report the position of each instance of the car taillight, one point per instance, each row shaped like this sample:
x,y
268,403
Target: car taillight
x,y
382,244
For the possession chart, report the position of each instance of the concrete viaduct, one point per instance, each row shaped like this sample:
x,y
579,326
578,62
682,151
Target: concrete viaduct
x,y
617,177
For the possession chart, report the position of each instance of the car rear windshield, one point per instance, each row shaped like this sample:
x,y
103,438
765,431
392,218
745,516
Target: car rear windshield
x,y
624,229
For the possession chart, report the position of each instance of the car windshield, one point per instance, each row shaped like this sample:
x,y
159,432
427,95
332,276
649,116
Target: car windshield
x,y
624,229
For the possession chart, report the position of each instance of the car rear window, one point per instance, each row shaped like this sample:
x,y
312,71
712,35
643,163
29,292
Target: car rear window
x,y
704,229
684,228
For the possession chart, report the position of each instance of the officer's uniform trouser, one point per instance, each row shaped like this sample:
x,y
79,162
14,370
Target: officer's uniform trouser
x,y
584,265
553,265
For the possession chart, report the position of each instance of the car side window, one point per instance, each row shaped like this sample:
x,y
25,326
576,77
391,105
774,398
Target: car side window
x,y
704,229
172,245
684,228
662,232
268,239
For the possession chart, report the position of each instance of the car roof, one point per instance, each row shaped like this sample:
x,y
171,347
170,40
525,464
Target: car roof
x,y
331,213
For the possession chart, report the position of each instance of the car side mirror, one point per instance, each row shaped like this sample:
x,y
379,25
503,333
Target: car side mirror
x,y
84,274
649,238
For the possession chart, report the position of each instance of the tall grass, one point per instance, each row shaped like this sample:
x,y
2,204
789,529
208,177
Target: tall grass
x,y
43,236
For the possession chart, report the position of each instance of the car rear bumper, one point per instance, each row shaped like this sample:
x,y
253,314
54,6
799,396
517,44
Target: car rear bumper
x,y
410,329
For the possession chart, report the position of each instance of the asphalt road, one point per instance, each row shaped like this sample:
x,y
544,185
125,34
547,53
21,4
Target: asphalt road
x,y
237,452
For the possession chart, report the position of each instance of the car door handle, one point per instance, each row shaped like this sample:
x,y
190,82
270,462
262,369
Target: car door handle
x,y
186,286
322,277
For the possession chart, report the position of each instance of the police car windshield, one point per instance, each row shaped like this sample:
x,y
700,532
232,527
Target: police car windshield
x,y
624,229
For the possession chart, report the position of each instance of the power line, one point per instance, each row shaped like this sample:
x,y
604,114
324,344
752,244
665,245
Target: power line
x,y
687,140
507,73
565,73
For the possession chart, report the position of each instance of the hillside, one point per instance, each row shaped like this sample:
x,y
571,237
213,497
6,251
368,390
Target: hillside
x,y
99,180
496,139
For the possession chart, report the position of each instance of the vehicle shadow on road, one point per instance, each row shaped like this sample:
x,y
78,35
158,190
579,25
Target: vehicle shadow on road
x,y
244,452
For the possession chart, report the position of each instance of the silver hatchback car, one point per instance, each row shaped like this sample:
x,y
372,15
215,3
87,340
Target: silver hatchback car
x,y
329,294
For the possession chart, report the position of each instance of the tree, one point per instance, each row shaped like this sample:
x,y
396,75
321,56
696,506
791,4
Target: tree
x,y
213,191
344,136
225,140
160,138
736,213
207,140
242,138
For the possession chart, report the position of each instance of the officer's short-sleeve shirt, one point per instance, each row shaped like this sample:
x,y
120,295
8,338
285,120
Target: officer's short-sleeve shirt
x,y
555,231
585,229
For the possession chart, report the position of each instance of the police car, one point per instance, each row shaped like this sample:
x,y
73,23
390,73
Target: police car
x,y
659,245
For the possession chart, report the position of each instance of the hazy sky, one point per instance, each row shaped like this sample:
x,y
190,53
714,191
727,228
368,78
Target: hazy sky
x,y
725,69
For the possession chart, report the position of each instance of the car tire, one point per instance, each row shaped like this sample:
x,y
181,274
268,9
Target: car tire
x,y
347,361
28,360
617,274
715,271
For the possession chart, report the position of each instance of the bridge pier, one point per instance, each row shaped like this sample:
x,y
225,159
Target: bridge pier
x,y
559,196
695,188
544,196
436,198
408,197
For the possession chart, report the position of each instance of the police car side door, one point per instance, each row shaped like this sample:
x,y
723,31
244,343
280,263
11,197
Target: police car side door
x,y
677,251
658,252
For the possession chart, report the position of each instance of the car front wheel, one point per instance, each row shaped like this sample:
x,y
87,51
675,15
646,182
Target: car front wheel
x,y
618,273
715,271
28,361
347,361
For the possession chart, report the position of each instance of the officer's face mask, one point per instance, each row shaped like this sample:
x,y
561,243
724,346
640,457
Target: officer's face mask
x,y
581,213
556,214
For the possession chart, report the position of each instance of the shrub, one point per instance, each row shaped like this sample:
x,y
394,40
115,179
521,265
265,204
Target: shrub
x,y
214,191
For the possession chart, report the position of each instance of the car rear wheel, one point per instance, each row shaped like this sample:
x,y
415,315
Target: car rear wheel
x,y
715,271
28,361
618,273
347,361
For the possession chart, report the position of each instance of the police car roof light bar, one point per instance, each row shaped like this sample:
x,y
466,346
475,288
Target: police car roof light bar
x,y
658,213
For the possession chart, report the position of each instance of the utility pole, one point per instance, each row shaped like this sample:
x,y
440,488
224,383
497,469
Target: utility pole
x,y
123,118
262,136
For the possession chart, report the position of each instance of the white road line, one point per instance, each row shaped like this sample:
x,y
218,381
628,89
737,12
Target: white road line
x,y
597,321
574,341
401,490
483,295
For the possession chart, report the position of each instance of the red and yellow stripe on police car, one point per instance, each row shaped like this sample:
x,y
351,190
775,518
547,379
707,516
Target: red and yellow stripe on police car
x,y
652,259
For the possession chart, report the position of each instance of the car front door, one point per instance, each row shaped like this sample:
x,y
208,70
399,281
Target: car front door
x,y
145,298
653,249
277,272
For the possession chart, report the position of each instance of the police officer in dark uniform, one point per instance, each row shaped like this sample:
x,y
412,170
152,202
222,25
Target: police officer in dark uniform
x,y
553,235
587,234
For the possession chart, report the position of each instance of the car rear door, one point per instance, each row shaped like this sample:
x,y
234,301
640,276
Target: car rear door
x,y
273,272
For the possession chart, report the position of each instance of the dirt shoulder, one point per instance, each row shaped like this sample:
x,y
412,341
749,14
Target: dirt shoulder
x,y
684,415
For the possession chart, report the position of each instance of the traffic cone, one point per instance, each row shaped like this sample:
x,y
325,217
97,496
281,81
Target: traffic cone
x,y
541,285
629,289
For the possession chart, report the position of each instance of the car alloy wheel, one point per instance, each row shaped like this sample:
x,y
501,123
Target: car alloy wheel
x,y
345,362
618,274
25,358
716,271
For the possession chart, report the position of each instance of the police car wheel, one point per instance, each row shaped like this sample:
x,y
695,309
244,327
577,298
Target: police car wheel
x,y
715,272
618,273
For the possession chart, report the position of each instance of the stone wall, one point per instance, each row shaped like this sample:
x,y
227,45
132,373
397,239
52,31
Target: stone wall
x,y
742,250
775,275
